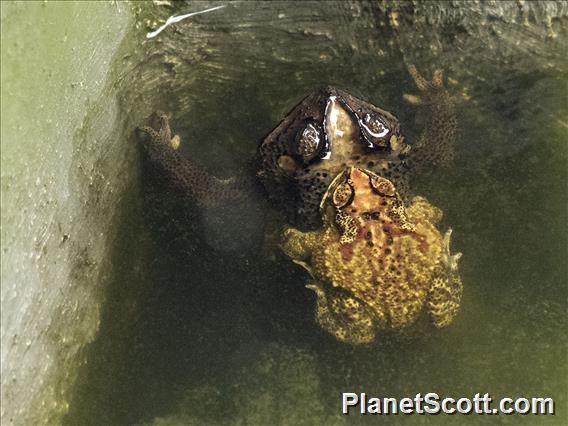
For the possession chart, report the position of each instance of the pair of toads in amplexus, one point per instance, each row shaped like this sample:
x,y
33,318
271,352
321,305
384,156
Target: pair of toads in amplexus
x,y
339,170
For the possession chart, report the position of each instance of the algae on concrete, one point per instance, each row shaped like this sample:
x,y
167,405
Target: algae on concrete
x,y
63,173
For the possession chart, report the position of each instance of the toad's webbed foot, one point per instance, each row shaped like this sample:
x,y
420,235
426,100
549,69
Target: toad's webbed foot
x,y
436,144
163,136
192,179
428,87
445,293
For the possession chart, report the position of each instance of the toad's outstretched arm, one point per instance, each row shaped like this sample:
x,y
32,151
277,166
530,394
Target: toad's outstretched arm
x,y
437,141
205,189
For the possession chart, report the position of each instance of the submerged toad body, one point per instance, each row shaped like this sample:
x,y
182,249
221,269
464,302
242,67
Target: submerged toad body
x,y
376,263
327,132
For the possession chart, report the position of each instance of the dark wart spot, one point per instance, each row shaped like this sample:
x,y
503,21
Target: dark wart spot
x,y
375,216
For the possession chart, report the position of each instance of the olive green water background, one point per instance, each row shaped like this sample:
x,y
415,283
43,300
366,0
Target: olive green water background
x,y
184,322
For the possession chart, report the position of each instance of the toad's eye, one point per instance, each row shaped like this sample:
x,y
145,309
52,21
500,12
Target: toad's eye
x,y
383,186
343,195
374,130
310,142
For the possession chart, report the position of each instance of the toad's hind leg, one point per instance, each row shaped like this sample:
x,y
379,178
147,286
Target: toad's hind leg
x,y
344,316
192,179
444,295
437,141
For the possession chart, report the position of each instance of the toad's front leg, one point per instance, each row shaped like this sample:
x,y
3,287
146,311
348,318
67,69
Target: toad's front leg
x,y
194,180
437,141
298,246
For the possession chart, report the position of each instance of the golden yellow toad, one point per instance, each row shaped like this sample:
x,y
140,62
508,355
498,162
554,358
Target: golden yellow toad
x,y
376,263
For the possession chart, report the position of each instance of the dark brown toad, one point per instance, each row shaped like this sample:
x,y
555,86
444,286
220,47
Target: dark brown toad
x,y
325,133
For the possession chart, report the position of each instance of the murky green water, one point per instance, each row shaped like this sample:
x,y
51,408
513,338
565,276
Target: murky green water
x,y
193,332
